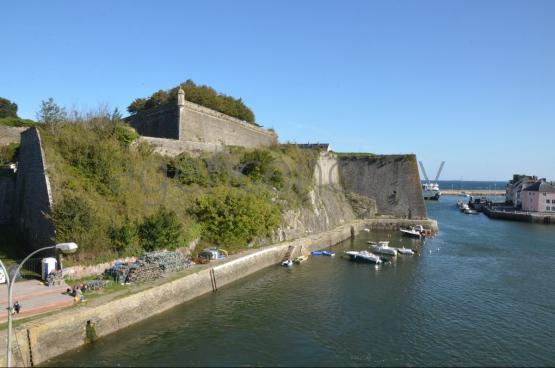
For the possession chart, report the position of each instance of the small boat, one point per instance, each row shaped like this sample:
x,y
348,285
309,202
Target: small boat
x,y
363,256
287,263
464,207
366,229
300,259
383,248
328,253
405,251
317,253
413,231
468,211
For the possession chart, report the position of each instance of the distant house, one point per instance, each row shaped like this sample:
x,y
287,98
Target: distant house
x,y
515,187
539,197
326,147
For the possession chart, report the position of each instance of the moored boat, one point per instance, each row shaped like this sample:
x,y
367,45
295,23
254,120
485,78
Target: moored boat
x,y
413,231
363,256
405,251
383,247
328,253
287,263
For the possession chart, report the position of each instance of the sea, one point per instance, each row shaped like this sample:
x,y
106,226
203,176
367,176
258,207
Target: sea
x,y
481,293
471,185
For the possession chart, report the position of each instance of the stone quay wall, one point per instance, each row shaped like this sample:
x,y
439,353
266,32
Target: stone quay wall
x,y
68,328
392,181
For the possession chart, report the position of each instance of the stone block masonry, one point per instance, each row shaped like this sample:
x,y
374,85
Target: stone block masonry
x,y
198,127
33,200
392,181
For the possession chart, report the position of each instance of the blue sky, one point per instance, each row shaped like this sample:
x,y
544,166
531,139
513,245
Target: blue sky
x,y
468,82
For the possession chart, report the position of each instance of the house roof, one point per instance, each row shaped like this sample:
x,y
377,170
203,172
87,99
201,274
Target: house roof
x,y
541,186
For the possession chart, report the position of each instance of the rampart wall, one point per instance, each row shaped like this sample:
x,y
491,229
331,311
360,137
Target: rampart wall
x,y
7,195
392,181
10,134
195,124
33,200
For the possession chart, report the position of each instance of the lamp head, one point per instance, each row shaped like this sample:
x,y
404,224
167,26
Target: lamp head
x,y
67,247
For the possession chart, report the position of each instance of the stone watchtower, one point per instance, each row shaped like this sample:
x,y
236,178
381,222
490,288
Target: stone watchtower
x,y
192,123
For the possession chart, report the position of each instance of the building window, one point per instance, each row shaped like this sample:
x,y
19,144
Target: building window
x,y
553,201
544,194
547,201
547,208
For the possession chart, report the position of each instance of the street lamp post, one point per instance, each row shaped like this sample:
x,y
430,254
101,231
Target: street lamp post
x,y
65,248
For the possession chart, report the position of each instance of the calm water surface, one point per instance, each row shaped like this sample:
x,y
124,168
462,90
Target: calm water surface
x,y
482,293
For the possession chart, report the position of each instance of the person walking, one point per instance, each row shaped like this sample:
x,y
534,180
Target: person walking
x,y
17,307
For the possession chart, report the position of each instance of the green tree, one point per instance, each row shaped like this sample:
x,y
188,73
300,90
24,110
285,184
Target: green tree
x,y
161,231
234,217
8,109
50,112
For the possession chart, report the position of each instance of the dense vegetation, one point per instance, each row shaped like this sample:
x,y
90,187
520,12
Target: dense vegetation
x,y
8,115
8,153
116,198
200,94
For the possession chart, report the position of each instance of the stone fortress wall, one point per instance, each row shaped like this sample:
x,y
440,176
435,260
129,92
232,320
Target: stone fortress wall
x,y
393,181
33,198
192,123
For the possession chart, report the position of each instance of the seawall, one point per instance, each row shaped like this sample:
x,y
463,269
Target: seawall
x,y
49,336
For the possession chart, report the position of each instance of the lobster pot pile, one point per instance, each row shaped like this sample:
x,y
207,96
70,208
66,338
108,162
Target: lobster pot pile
x,y
149,267
141,271
167,261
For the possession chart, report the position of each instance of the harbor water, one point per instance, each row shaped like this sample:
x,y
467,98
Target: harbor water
x,y
481,293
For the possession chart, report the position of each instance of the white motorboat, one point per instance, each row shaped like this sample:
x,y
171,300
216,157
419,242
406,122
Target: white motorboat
x,y
287,263
383,247
363,256
464,207
468,211
413,231
405,251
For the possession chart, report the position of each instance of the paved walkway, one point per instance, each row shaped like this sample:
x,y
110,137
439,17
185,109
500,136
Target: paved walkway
x,y
34,298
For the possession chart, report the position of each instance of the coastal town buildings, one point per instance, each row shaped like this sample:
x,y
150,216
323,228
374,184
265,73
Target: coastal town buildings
x,y
539,197
515,187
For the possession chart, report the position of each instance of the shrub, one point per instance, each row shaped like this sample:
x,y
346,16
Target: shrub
x,y
258,164
16,122
189,170
125,134
234,217
124,237
8,153
73,218
161,231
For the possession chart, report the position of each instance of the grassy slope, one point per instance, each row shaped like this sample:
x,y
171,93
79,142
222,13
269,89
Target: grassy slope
x,y
86,161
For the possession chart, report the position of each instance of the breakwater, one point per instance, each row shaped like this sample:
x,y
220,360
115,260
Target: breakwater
x,y
74,327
